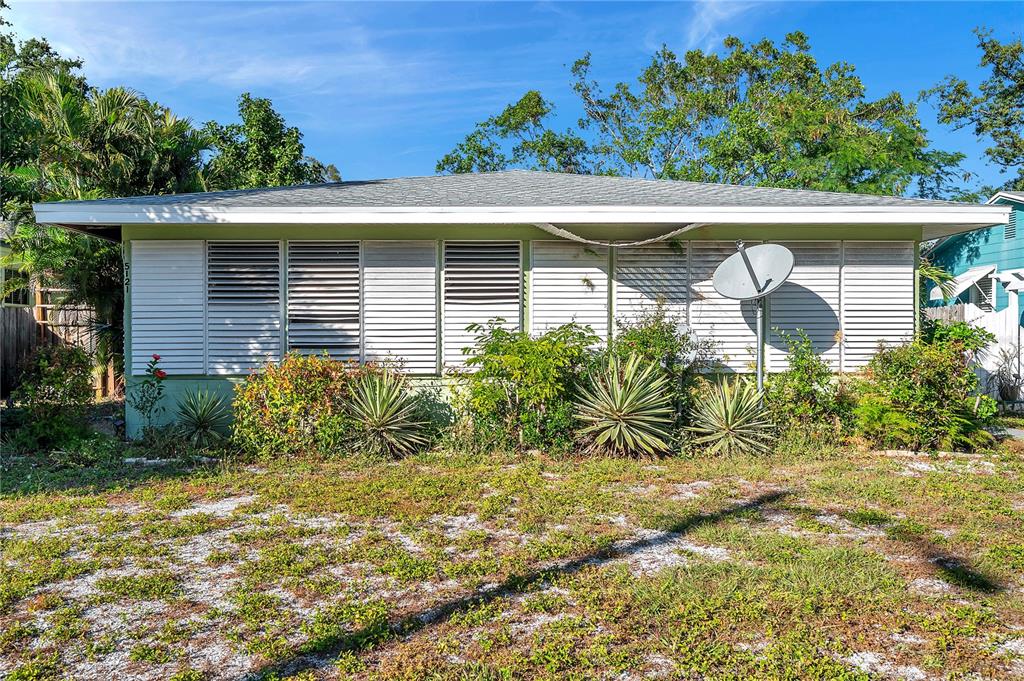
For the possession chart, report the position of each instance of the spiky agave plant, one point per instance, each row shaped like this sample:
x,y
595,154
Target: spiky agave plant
x,y
384,411
203,418
731,419
626,407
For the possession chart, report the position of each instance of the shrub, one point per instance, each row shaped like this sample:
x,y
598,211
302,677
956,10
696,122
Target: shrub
x,y
971,339
807,396
923,395
55,392
384,413
626,408
662,338
519,389
730,419
146,397
295,406
203,418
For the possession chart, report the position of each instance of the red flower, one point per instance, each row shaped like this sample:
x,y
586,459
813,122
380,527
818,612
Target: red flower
x,y
156,357
160,373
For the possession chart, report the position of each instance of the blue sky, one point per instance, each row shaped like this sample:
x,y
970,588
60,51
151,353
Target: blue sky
x,y
385,89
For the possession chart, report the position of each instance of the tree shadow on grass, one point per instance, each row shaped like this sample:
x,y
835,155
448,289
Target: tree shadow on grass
x,y
362,639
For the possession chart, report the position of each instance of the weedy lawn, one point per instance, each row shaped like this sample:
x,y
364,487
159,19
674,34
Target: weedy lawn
x,y
845,565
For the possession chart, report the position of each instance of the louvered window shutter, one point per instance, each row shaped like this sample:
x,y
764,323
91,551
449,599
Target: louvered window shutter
x,y
730,324
324,298
569,283
400,303
648,275
809,300
481,282
877,298
167,290
243,305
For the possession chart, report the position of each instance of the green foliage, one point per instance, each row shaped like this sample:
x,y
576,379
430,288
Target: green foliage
x,y
969,338
625,407
146,397
55,391
520,389
296,406
996,110
659,337
807,395
760,114
203,418
261,151
384,414
730,419
923,395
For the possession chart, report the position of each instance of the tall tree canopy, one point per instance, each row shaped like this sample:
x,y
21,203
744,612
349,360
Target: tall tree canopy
x,y
759,114
996,110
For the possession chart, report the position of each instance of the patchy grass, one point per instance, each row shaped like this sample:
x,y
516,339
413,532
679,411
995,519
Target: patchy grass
x,y
802,565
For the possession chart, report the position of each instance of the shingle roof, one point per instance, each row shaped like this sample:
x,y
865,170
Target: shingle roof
x,y
515,188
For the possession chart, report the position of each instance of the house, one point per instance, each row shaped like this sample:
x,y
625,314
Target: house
x,y
219,283
988,266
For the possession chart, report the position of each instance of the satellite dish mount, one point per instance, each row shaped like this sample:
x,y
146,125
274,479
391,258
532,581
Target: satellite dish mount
x,y
752,274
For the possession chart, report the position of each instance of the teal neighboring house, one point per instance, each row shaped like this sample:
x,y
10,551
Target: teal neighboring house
x,y
988,263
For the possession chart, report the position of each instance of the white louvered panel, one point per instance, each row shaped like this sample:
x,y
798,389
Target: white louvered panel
x,y
878,298
809,300
647,275
481,282
167,292
400,303
243,305
323,298
728,323
569,283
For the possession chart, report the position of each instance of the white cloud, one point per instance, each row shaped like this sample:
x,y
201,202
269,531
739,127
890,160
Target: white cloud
x,y
711,22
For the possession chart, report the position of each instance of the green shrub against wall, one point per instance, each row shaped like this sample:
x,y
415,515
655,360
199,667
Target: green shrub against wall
x,y
55,392
807,396
924,395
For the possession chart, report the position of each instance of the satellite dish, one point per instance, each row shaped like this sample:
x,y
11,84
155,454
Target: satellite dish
x,y
753,272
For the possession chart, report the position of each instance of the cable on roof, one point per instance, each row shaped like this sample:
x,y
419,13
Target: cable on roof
x,y
566,234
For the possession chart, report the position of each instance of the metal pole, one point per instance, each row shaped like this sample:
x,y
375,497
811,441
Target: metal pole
x,y
760,344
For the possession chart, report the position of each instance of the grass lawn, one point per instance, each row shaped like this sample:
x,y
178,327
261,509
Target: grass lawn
x,y
850,565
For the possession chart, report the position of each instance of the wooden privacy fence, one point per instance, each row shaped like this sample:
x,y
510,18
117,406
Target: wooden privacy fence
x,y
947,313
22,329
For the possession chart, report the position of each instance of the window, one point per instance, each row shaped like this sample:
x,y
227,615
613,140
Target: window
x,y
20,297
324,298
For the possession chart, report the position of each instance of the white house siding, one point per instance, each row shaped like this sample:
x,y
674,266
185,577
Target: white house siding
x,y
729,323
809,300
877,297
482,281
243,305
167,284
324,298
400,303
569,282
647,275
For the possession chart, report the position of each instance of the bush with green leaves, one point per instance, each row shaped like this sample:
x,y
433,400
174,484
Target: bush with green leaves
x,y
295,406
663,339
203,418
518,390
625,407
924,395
807,395
729,418
971,339
385,415
53,398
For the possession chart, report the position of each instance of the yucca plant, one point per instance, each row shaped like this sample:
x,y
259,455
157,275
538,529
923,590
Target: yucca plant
x,y
384,411
626,407
203,418
731,419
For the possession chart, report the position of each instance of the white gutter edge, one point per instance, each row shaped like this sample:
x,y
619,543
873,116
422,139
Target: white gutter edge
x,y
78,214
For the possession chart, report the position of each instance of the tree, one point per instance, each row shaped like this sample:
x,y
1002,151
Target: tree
x,y
996,110
761,114
261,151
